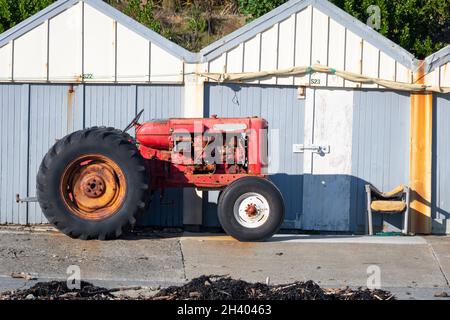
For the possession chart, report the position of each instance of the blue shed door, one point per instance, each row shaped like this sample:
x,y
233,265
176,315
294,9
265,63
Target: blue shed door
x,y
285,112
328,159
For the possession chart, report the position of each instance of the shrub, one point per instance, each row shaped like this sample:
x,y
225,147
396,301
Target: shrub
x,y
257,8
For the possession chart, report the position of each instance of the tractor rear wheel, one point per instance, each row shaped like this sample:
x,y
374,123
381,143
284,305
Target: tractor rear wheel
x,y
251,209
92,184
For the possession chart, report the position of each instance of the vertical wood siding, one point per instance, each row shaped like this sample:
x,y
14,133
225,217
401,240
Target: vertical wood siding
x,y
311,37
441,165
83,43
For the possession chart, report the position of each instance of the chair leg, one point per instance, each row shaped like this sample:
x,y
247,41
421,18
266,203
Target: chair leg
x,y
369,210
366,223
406,222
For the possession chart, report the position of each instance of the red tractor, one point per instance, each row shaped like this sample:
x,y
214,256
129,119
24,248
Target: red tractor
x,y
92,184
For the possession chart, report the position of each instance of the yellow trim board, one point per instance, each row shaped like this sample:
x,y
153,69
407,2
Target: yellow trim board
x,y
421,158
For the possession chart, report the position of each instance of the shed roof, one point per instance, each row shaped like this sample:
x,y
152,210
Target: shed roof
x,y
62,5
437,59
284,11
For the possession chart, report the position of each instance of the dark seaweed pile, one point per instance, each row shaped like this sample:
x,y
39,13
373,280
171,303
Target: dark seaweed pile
x,y
203,288
58,290
225,288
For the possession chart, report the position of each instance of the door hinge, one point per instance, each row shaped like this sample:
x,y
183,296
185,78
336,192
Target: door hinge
x,y
25,200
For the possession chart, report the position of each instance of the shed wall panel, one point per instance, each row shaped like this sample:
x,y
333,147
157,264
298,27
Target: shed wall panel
x,y
353,58
31,66
441,164
218,65
371,57
381,145
165,67
235,59
303,43
99,46
52,110
403,74
160,101
65,45
336,52
445,75
433,78
269,52
439,77
6,62
320,45
252,59
387,67
13,155
132,56
109,105
286,56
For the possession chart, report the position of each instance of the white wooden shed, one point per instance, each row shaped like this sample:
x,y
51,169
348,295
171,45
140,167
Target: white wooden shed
x,y
89,41
307,32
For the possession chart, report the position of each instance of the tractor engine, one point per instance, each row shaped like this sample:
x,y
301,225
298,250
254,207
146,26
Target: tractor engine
x,y
204,153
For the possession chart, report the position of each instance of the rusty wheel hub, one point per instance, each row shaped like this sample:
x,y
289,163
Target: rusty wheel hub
x,y
251,210
93,187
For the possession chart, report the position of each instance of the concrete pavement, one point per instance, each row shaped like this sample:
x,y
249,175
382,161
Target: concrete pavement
x,y
151,261
412,267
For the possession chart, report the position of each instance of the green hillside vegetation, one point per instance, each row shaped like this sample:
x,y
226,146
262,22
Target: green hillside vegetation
x,y
420,26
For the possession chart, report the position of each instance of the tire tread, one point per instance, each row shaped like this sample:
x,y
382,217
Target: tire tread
x,y
102,135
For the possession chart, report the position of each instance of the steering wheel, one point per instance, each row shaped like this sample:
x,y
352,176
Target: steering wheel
x,y
134,122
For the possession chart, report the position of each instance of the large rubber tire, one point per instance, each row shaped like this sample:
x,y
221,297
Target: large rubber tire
x,y
234,193
107,142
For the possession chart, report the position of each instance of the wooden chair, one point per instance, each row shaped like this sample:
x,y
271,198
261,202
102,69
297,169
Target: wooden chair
x,y
395,201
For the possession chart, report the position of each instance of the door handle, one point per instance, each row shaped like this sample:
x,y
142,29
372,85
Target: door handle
x,y
301,148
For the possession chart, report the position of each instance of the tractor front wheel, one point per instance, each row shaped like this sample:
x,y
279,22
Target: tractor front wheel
x,y
92,184
251,209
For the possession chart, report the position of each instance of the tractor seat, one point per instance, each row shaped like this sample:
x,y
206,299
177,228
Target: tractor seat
x,y
388,206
